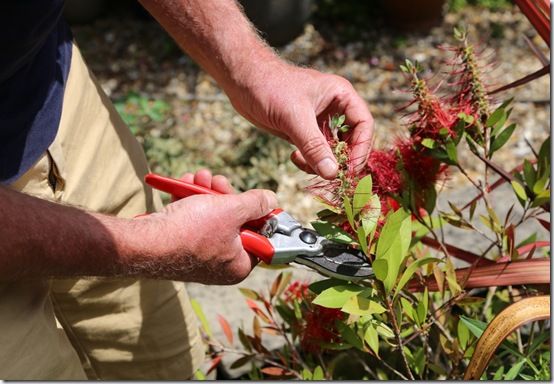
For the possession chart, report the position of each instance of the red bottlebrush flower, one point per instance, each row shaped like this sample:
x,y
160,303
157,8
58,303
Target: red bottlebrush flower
x,y
382,166
346,227
320,328
433,115
423,170
296,291
471,95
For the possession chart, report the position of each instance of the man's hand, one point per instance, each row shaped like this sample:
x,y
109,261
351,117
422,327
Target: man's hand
x,y
193,239
197,238
288,101
293,103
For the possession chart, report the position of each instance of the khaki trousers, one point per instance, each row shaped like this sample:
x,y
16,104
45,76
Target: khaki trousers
x,y
95,327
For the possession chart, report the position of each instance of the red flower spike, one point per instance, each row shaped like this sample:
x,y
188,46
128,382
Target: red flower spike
x,y
382,165
320,328
423,170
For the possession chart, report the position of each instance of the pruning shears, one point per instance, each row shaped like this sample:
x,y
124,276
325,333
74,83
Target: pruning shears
x,y
278,238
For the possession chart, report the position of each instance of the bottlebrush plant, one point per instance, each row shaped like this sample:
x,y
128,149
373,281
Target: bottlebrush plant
x,y
420,317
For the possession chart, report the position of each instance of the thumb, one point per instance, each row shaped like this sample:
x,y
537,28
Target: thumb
x,y
254,204
306,135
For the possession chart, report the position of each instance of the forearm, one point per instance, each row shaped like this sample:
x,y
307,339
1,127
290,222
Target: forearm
x,y
217,35
41,239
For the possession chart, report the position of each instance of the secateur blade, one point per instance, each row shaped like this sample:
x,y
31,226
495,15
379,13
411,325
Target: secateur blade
x,y
339,261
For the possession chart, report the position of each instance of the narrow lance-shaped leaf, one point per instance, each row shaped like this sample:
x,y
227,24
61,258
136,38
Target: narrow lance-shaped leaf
x,y
370,214
408,273
357,305
336,297
332,232
226,328
393,244
200,314
362,194
498,141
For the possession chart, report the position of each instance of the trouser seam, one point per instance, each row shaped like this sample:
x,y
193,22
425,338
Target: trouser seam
x,y
76,343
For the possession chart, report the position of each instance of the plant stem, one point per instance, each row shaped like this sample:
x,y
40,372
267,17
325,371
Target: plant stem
x,y
396,330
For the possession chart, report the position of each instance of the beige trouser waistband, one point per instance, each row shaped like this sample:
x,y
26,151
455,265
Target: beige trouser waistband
x,y
119,328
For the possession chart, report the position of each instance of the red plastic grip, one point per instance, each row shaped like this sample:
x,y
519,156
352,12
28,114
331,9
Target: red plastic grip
x,y
257,245
252,242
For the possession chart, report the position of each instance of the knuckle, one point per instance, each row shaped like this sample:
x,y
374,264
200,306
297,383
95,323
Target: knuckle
x,y
313,146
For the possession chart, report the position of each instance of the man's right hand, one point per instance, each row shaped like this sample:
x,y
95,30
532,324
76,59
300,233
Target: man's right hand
x,y
198,238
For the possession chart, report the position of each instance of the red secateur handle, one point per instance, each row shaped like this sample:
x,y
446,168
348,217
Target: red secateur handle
x,y
254,243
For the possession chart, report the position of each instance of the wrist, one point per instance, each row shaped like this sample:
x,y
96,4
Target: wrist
x,y
252,70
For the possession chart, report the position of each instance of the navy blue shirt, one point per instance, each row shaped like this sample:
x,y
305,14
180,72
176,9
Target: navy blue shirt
x,y
35,54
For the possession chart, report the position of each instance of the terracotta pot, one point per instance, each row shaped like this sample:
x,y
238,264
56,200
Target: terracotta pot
x,y
413,16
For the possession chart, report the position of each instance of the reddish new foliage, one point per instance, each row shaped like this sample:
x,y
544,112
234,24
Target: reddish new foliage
x,y
320,328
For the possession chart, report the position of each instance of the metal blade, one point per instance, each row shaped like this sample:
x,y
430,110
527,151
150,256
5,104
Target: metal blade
x,y
339,261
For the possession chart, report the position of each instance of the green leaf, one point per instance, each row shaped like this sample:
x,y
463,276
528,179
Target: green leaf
x,y
251,294
199,375
297,310
519,190
542,198
466,118
514,371
540,184
242,361
362,194
430,196
472,209
456,221
362,240
332,232
455,209
406,276
499,373
428,143
380,268
372,338
357,305
336,297
348,210
350,336
318,374
393,244
408,308
544,153
419,360
496,116
531,239
320,286
306,374
370,215
529,173
476,327
463,334
498,141
200,314
452,152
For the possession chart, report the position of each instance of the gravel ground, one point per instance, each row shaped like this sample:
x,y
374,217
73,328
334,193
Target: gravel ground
x,y
134,55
